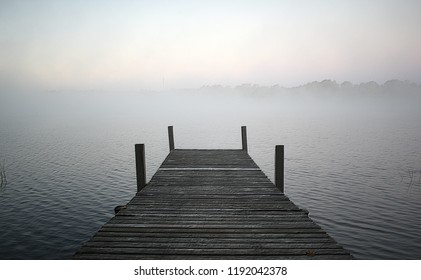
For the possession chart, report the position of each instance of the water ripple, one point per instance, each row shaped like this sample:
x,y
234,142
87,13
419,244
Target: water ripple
x,y
65,179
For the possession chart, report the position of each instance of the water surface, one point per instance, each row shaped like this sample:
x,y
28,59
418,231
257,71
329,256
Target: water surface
x,y
69,159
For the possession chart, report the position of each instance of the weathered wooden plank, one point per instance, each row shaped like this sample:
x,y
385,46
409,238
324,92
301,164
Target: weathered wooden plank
x,y
210,251
164,195
280,224
191,202
207,225
284,239
210,191
208,230
158,244
246,214
214,235
210,257
132,208
194,204
262,219
212,200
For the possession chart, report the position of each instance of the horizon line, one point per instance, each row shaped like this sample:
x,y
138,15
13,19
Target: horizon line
x,y
326,82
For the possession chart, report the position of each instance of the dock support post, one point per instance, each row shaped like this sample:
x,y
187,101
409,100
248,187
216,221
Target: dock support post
x,y
171,137
279,167
140,166
244,137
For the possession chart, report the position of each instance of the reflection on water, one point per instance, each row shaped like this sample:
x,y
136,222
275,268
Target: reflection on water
x,y
354,164
3,176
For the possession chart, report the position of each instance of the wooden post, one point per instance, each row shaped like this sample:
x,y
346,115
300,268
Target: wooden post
x,y
171,137
279,167
244,137
140,166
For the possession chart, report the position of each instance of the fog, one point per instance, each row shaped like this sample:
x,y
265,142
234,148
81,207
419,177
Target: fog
x,y
214,103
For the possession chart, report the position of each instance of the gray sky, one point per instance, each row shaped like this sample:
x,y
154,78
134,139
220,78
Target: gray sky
x,y
136,44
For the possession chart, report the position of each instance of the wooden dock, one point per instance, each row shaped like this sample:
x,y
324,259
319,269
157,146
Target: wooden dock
x,y
210,204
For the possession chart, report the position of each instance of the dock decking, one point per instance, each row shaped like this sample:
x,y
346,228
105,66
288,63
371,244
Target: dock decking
x,y
211,204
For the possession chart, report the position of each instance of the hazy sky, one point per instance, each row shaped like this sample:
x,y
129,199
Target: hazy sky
x,y
136,44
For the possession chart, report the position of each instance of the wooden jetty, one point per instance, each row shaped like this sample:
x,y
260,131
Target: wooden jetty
x,y
210,204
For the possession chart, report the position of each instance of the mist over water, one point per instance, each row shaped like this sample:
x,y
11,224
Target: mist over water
x,y
353,157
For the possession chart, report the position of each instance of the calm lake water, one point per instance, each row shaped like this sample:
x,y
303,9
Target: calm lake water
x,y
353,161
